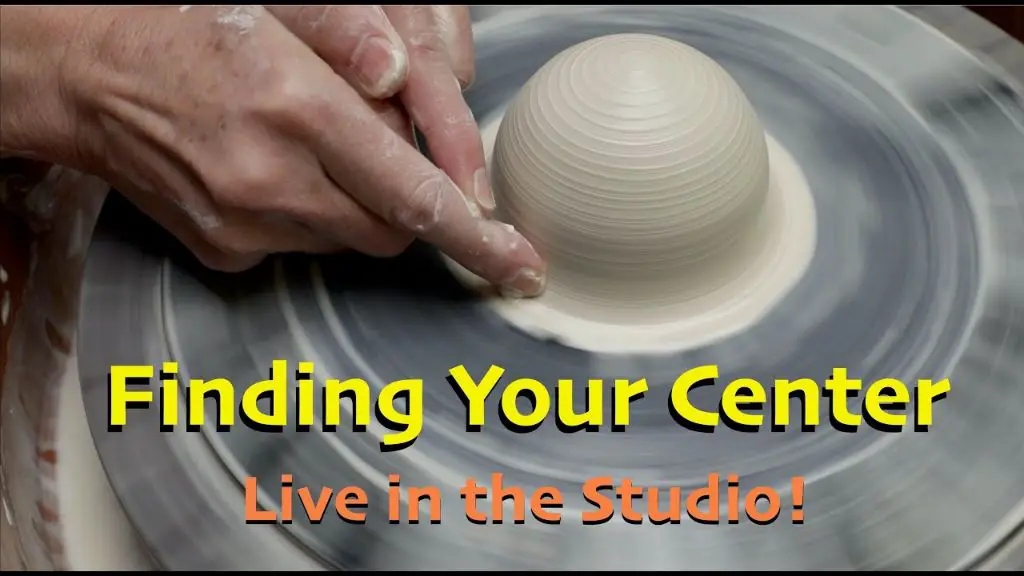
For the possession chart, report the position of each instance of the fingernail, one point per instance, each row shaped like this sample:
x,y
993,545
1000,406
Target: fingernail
x,y
482,190
526,283
380,65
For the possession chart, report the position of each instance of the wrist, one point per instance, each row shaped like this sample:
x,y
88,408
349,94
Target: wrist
x,y
37,114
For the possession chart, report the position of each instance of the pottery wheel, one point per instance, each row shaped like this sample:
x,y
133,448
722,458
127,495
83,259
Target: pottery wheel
x,y
918,272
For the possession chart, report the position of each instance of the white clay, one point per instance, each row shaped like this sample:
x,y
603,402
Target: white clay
x,y
638,168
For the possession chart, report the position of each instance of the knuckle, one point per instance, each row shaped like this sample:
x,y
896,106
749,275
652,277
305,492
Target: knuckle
x,y
461,121
251,184
457,128
427,44
233,247
420,211
220,260
285,99
299,103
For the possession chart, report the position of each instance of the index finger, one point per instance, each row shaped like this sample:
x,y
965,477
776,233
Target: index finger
x,y
388,176
433,97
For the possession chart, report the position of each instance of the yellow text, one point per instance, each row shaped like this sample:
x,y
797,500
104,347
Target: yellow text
x,y
743,401
263,405
562,403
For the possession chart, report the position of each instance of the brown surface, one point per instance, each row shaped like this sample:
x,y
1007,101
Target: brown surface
x,y
17,177
1009,18
14,258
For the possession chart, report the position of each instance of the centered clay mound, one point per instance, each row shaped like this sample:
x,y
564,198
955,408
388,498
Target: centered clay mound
x,y
638,168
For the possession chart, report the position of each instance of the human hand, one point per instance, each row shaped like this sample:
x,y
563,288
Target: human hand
x,y
229,130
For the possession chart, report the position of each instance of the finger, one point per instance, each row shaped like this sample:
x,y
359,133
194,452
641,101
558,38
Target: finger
x,y
313,216
333,220
393,114
391,178
434,101
231,240
214,259
334,215
357,41
456,29
209,255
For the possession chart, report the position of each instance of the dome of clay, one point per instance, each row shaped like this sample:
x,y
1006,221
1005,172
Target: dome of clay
x,y
630,156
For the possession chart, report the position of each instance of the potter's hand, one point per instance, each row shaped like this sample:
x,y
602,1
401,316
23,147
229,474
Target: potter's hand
x,y
228,130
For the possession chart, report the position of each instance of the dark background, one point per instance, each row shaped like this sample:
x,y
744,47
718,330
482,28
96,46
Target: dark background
x,y
1009,18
